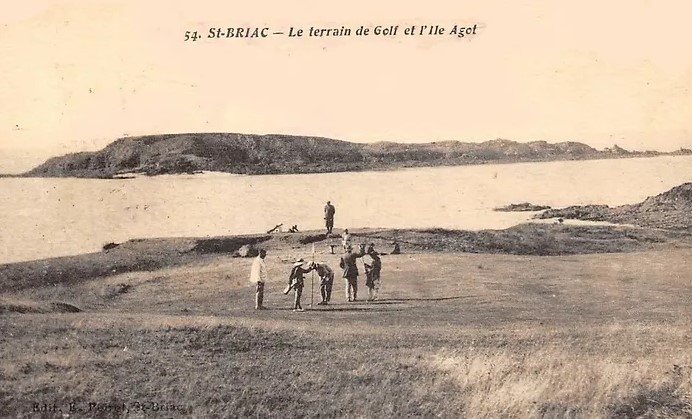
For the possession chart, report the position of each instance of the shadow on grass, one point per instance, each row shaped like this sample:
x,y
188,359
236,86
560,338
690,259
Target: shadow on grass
x,y
227,244
401,300
371,308
364,305
666,401
341,308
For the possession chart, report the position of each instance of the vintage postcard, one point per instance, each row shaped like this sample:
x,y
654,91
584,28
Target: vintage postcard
x,y
226,209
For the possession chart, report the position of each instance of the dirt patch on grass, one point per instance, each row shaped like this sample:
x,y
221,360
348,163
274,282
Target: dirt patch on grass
x,y
64,308
19,307
23,306
110,292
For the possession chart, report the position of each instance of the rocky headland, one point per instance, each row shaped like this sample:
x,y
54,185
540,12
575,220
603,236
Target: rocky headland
x,y
282,154
668,210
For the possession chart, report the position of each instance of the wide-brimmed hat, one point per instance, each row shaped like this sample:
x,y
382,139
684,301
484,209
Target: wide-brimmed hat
x,y
299,262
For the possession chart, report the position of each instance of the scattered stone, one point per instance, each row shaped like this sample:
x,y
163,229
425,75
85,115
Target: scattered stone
x,y
65,308
109,246
247,251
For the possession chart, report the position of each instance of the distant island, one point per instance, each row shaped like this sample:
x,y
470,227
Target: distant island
x,y
283,154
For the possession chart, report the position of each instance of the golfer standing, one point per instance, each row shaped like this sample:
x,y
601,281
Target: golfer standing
x,y
258,276
348,264
296,282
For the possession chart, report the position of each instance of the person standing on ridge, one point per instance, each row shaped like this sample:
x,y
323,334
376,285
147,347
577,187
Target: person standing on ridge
x,y
329,212
258,276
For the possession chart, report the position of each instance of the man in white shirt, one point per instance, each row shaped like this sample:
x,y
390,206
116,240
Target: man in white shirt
x,y
346,239
258,275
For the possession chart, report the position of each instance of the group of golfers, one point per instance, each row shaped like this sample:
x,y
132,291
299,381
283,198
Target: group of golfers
x,y
296,278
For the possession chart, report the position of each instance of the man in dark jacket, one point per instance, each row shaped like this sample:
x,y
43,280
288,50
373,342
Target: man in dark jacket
x,y
348,264
372,272
329,211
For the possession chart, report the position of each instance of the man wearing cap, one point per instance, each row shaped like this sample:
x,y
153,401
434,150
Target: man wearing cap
x,y
329,211
296,282
348,264
258,276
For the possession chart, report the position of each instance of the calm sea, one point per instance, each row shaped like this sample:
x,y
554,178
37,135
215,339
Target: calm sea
x,y
41,218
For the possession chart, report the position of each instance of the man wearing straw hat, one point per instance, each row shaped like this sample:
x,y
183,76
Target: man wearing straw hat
x,y
296,282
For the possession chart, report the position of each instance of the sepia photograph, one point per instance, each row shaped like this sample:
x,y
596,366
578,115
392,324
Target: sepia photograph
x,y
226,209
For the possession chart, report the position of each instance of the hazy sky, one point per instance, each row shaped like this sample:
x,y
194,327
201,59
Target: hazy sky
x,y
79,74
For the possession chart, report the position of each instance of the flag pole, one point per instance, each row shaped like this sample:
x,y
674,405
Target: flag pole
x,y
312,280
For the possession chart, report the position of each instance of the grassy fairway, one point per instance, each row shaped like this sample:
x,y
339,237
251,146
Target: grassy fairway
x,y
454,335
